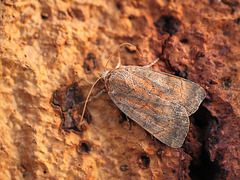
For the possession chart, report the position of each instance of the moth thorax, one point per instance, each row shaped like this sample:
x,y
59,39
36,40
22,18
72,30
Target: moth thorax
x,y
104,74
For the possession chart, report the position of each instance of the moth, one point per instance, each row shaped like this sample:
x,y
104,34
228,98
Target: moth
x,y
161,103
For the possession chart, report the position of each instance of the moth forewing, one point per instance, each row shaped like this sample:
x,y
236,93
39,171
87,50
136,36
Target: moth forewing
x,y
166,121
169,87
159,102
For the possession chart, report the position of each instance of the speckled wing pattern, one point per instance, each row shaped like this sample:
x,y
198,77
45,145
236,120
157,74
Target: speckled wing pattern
x,y
159,102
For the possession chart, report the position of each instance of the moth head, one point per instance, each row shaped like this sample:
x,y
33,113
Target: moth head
x,y
104,74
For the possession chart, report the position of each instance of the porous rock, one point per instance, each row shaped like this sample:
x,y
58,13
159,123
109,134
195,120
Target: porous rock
x,y
50,54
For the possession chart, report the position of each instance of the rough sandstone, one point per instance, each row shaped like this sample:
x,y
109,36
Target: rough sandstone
x,y
52,51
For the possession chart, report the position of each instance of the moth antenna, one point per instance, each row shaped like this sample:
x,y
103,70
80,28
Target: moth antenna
x,y
152,63
119,63
85,104
123,44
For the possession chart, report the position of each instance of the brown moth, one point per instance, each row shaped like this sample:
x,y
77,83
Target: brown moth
x,y
159,102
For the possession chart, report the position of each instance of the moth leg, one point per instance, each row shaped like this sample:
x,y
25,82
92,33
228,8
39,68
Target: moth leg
x,y
129,123
152,63
152,137
94,97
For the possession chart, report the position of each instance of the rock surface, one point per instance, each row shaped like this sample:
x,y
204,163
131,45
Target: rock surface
x,y
52,51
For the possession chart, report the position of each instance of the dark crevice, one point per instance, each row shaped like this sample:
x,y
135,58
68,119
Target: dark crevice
x,y
124,168
202,167
144,161
90,63
24,171
183,74
226,82
119,5
68,101
84,147
237,20
184,40
167,24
